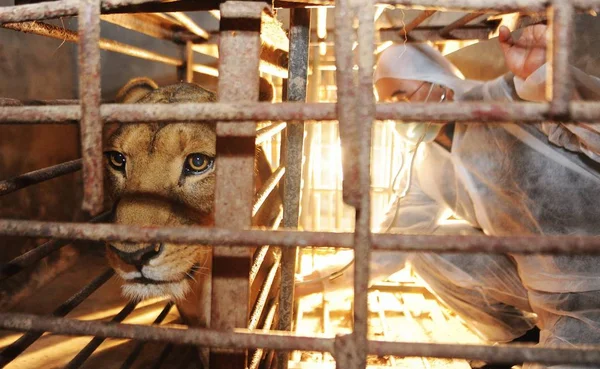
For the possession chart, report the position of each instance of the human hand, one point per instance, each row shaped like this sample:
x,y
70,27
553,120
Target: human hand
x,y
527,53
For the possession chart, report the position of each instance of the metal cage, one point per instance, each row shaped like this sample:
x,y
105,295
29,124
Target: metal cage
x,y
237,112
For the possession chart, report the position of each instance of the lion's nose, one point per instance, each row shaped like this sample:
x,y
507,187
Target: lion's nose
x,y
139,257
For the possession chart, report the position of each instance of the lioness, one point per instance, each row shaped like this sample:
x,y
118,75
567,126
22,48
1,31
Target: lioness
x,y
164,175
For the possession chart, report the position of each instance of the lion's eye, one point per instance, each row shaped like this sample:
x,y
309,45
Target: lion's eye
x,y
116,160
197,164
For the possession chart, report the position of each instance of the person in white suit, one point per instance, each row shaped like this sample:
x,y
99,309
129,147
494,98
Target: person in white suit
x,y
503,180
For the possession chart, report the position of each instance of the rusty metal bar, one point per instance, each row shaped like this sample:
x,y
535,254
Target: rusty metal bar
x,y
465,112
16,348
240,29
89,95
445,32
59,33
89,349
237,339
365,116
346,100
432,33
293,148
473,5
25,180
266,133
190,24
277,340
456,5
140,345
266,190
420,18
274,50
264,294
266,327
260,255
55,9
220,236
561,14
31,257
425,33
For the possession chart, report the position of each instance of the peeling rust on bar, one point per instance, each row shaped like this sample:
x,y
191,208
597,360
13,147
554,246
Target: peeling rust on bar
x,y
346,100
240,29
509,354
292,155
28,179
243,9
89,95
56,9
365,115
239,339
277,340
258,237
468,112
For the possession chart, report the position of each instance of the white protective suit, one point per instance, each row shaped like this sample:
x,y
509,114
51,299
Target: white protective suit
x,y
504,179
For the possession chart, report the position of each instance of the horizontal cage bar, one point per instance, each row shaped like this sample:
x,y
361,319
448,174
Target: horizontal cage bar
x,y
278,340
288,238
470,112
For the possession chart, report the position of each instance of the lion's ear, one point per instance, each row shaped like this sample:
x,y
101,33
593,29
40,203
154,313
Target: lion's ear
x,y
266,90
136,89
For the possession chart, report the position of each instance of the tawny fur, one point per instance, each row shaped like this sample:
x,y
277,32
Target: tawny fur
x,y
152,192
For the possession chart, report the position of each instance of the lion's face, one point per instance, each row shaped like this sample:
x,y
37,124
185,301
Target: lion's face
x,y
161,175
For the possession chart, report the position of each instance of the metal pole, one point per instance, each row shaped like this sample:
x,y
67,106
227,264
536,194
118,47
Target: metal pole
x,y
235,172
89,95
292,159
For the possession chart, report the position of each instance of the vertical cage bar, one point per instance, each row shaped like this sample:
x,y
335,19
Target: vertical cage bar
x,y
234,193
89,95
346,99
560,14
292,159
365,114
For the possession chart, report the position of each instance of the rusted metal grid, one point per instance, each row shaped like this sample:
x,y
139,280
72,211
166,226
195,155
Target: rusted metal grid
x,y
355,120
90,101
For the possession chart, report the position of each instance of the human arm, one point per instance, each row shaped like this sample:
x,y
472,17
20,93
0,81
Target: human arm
x,y
525,56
